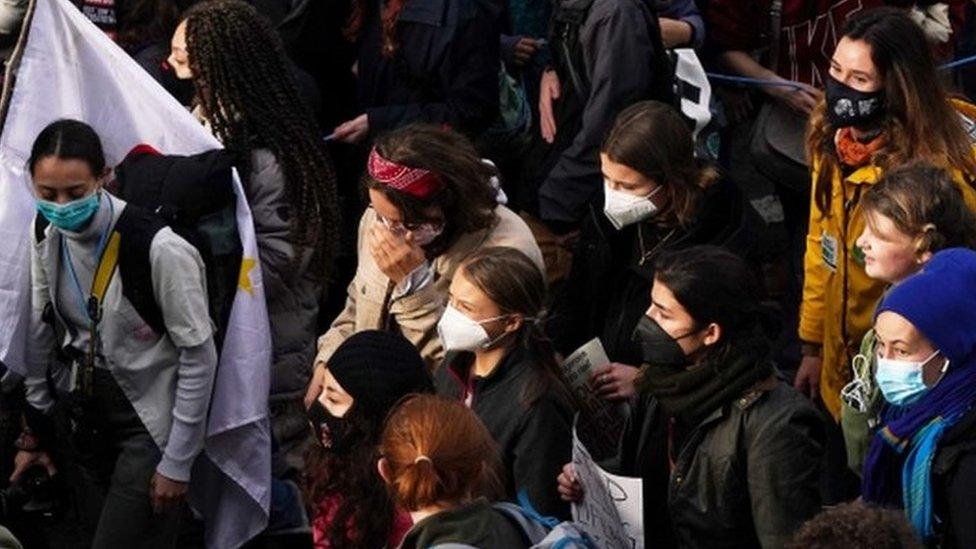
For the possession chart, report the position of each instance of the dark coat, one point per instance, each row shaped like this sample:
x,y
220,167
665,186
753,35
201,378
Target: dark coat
x,y
954,483
292,287
609,285
476,524
746,476
535,439
444,71
608,68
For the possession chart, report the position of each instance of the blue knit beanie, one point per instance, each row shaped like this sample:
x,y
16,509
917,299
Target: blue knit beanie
x,y
940,301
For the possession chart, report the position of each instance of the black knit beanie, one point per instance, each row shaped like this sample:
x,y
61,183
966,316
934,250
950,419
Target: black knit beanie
x,y
377,369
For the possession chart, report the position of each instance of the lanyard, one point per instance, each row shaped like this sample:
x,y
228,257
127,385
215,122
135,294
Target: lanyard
x,y
82,379
89,306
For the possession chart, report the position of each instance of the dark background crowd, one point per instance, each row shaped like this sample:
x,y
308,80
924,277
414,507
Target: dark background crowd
x,y
451,196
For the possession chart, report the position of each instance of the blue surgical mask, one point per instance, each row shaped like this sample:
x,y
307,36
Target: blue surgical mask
x,y
901,381
71,216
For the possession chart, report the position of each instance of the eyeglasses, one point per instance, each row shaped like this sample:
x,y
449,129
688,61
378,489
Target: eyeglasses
x,y
402,227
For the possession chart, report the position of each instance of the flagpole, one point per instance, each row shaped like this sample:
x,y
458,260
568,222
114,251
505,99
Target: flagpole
x,y
10,73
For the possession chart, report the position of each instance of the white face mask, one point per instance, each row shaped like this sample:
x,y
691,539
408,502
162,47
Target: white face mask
x,y
624,209
460,333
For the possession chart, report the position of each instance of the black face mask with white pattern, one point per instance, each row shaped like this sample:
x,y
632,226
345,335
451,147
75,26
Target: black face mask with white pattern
x,y
335,434
849,107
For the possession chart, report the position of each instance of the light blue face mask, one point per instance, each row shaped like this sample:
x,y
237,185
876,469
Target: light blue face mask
x,y
73,215
901,381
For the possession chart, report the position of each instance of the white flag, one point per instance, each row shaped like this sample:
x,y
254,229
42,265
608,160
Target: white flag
x,y
693,88
68,68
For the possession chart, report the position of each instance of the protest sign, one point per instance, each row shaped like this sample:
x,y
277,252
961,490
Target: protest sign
x,y
601,422
612,507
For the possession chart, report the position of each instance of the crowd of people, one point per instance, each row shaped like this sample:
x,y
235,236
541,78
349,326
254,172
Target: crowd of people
x,y
450,197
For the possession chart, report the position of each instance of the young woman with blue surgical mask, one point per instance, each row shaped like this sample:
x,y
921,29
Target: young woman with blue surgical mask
x,y
907,363
922,458
500,364
656,198
133,401
912,213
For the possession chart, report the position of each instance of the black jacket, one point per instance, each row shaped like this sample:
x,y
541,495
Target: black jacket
x,y
476,524
954,483
444,70
609,285
608,55
746,476
535,440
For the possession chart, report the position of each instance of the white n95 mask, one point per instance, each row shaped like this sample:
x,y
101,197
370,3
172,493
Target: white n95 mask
x,y
623,209
460,333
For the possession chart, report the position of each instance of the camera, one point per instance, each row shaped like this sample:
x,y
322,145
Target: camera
x,y
36,494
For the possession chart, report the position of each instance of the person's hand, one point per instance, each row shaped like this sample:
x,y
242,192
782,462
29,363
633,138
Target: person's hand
x,y
549,91
352,131
24,460
396,256
315,385
525,48
808,377
166,494
801,99
569,488
675,33
615,382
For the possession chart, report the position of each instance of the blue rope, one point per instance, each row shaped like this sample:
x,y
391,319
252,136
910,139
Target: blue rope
x,y
749,81
959,63
753,81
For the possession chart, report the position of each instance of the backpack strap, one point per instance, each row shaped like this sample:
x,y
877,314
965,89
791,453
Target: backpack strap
x,y
137,228
533,531
565,25
106,268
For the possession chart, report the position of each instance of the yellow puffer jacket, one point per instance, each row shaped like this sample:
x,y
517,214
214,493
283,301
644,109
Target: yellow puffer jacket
x,y
839,298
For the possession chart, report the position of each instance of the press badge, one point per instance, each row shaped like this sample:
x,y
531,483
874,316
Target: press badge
x,y
828,250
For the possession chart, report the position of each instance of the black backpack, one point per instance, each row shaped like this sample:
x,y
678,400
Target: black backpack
x,y
194,196
565,26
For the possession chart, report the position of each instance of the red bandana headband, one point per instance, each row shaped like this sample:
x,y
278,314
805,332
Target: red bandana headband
x,y
417,182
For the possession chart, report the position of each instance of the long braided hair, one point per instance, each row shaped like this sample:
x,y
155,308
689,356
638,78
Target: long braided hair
x,y
251,101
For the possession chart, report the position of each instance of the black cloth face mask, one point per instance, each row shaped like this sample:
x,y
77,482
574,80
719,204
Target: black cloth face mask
x,y
849,107
657,347
335,434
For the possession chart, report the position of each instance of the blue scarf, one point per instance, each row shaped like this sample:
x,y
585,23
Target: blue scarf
x,y
898,468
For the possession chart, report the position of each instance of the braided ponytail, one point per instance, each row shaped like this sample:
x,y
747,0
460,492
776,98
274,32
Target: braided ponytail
x,y
251,101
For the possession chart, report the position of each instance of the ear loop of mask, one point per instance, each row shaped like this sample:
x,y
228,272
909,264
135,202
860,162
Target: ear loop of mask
x,y
502,335
942,371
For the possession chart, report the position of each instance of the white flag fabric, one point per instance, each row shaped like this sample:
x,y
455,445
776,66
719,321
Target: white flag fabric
x,y
70,69
694,89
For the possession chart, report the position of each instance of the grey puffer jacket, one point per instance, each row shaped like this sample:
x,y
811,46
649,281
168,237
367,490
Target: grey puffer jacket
x,y
292,288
